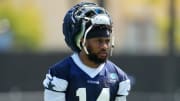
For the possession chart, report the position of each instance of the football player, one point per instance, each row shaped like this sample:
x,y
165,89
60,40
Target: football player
x,y
87,74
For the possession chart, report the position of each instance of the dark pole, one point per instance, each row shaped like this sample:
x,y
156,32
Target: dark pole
x,y
170,65
171,30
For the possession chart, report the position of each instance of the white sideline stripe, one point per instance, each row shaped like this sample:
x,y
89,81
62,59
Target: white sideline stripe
x,y
21,96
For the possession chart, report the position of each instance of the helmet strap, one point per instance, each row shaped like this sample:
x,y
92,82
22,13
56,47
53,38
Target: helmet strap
x,y
84,39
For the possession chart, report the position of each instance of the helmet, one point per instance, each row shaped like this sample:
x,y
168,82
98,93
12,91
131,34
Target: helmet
x,y
80,19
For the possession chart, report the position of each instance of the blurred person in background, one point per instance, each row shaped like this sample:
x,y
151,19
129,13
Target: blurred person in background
x,y
88,74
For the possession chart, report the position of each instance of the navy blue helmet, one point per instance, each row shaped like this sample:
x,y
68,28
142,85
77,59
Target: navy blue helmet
x,y
80,19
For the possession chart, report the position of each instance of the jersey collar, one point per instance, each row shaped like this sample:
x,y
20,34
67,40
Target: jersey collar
x,y
92,72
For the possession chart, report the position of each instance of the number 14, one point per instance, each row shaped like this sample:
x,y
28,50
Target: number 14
x,y
104,95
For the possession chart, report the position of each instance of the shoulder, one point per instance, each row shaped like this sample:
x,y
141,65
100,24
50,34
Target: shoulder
x,y
61,68
57,77
124,81
113,67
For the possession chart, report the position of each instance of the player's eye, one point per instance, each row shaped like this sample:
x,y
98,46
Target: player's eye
x,y
107,41
103,41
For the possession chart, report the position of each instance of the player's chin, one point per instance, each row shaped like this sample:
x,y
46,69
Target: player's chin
x,y
102,60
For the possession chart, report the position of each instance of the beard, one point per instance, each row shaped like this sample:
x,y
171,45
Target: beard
x,y
94,57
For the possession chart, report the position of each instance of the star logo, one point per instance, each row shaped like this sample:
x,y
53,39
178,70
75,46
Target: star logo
x,y
50,85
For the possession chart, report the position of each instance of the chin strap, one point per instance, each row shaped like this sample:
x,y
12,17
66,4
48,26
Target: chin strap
x,y
84,39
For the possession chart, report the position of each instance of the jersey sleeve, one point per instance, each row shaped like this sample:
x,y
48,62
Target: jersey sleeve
x,y
124,81
54,88
124,88
56,81
123,91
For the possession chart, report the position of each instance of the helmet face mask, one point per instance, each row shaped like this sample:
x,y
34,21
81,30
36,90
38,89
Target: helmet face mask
x,y
88,11
80,19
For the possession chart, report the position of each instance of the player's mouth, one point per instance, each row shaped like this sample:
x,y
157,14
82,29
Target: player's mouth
x,y
103,54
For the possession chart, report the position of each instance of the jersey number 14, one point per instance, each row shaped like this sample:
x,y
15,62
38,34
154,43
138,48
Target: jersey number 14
x,y
104,95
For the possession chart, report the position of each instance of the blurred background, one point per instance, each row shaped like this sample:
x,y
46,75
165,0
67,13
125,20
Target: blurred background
x,y
147,45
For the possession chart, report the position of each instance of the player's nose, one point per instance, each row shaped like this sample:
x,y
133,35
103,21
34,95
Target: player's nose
x,y
104,45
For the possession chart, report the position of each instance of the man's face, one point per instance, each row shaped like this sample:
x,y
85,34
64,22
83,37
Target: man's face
x,y
98,49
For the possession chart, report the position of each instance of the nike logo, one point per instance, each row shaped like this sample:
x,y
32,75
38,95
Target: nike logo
x,y
92,82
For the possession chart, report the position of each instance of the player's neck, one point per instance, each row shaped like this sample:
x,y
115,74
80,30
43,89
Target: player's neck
x,y
86,60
